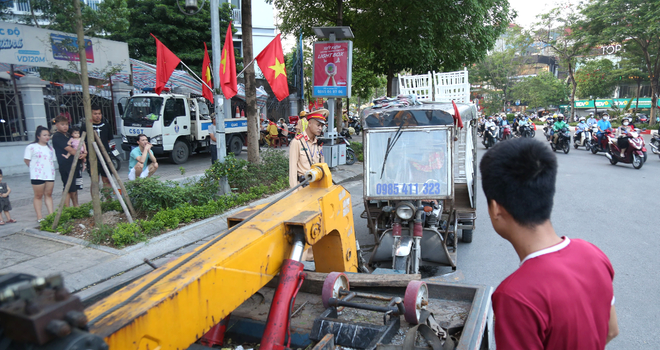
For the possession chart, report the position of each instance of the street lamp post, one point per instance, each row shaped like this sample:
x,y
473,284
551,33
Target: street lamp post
x,y
191,8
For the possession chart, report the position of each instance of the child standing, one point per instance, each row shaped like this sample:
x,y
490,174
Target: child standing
x,y
74,141
5,206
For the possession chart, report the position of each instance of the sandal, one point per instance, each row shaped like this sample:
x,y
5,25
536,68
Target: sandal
x,y
2,222
12,221
40,220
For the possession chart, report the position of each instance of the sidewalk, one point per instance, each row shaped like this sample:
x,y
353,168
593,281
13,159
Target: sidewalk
x,y
91,270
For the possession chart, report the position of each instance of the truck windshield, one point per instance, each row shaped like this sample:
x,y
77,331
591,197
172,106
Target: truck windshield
x,y
143,111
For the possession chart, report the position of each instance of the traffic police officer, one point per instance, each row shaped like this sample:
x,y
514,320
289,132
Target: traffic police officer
x,y
305,149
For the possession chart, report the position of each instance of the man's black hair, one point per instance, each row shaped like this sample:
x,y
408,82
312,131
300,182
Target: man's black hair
x,y
520,175
139,136
96,107
0,171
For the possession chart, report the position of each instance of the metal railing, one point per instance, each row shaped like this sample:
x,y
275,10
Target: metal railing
x,y
236,16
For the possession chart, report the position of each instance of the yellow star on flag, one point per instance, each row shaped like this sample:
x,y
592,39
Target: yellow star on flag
x,y
208,74
279,68
223,61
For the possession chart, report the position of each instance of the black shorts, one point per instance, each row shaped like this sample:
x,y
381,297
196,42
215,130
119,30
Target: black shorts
x,y
76,183
40,182
99,167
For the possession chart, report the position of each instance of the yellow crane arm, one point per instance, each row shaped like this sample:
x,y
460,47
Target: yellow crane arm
x,y
182,306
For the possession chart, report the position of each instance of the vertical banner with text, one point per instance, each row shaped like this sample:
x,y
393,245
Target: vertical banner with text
x,y
332,69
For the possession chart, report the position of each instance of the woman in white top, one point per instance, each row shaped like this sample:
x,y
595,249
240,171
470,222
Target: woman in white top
x,y
39,157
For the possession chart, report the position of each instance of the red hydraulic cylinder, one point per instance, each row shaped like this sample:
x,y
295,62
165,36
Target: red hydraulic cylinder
x,y
278,317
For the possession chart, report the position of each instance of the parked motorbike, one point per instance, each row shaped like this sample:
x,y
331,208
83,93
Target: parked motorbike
x,y
582,139
114,153
350,153
354,122
633,154
490,137
563,141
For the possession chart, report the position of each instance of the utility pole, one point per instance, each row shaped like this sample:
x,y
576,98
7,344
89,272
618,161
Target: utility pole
x,y
218,99
87,103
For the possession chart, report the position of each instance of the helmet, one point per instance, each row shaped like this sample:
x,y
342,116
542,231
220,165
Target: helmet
x,y
582,119
591,114
560,116
625,118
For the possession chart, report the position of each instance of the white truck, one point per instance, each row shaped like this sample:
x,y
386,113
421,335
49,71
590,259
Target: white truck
x,y
176,125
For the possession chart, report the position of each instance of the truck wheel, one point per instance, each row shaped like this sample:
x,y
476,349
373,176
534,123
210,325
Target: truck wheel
x,y
466,237
180,153
235,145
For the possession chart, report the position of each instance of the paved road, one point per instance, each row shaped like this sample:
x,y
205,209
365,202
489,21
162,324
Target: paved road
x,y
607,205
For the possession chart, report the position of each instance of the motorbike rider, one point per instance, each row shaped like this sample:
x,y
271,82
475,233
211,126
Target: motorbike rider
x,y
580,128
623,134
558,126
591,121
489,123
603,126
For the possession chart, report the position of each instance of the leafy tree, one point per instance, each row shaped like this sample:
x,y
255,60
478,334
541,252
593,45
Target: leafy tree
x,y
182,34
633,70
110,17
500,69
413,35
559,31
596,79
492,102
543,90
634,24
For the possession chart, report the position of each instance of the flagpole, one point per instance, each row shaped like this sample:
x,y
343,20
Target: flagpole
x,y
193,73
246,67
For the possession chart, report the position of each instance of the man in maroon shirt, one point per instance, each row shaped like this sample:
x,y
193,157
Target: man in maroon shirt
x,y
561,296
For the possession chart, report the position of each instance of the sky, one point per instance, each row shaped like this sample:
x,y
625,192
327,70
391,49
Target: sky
x,y
528,10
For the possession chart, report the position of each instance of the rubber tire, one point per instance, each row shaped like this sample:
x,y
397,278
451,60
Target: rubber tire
x,y
115,162
350,157
410,300
613,160
575,145
180,152
327,291
235,145
567,148
594,149
400,263
466,236
640,161
552,145
533,133
587,146
645,157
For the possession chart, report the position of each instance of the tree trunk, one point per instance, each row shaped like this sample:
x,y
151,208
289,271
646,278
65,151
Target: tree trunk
x,y
639,88
338,114
654,100
87,103
573,89
390,79
595,108
340,13
250,84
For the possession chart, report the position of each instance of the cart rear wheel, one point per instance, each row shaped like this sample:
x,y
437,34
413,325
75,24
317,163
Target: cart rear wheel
x,y
335,282
466,236
416,299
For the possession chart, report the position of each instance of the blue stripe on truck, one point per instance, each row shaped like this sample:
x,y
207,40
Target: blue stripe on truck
x,y
235,124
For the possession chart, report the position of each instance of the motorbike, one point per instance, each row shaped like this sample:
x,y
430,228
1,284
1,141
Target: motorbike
x,y
350,153
114,153
354,122
526,131
642,118
490,137
602,146
506,132
633,154
655,143
563,141
547,132
582,139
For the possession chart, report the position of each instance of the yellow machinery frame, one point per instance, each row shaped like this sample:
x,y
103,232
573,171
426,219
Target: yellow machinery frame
x,y
181,307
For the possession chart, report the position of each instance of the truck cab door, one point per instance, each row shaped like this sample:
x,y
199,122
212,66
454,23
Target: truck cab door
x,y
176,121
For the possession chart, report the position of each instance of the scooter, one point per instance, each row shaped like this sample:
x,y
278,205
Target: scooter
x,y
526,131
582,138
350,153
633,153
490,137
563,141
114,154
354,122
506,132
655,143
602,146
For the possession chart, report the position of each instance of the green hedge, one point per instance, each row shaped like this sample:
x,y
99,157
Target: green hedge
x,y
168,204
359,150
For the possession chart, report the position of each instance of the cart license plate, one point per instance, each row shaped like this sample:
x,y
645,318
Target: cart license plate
x,y
115,153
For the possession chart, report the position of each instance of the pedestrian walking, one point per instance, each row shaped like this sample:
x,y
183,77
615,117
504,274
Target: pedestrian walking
x,y
64,151
5,205
40,158
561,296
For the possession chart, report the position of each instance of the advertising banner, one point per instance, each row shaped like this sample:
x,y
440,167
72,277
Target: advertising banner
x,y
31,46
332,69
619,102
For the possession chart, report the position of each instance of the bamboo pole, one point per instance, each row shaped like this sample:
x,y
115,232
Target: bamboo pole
x,y
124,193
68,182
114,185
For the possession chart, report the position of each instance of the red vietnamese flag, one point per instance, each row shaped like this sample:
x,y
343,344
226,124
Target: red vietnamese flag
x,y
228,67
166,62
271,62
457,116
206,76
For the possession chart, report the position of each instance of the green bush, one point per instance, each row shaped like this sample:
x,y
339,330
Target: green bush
x,y
101,234
126,234
359,150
